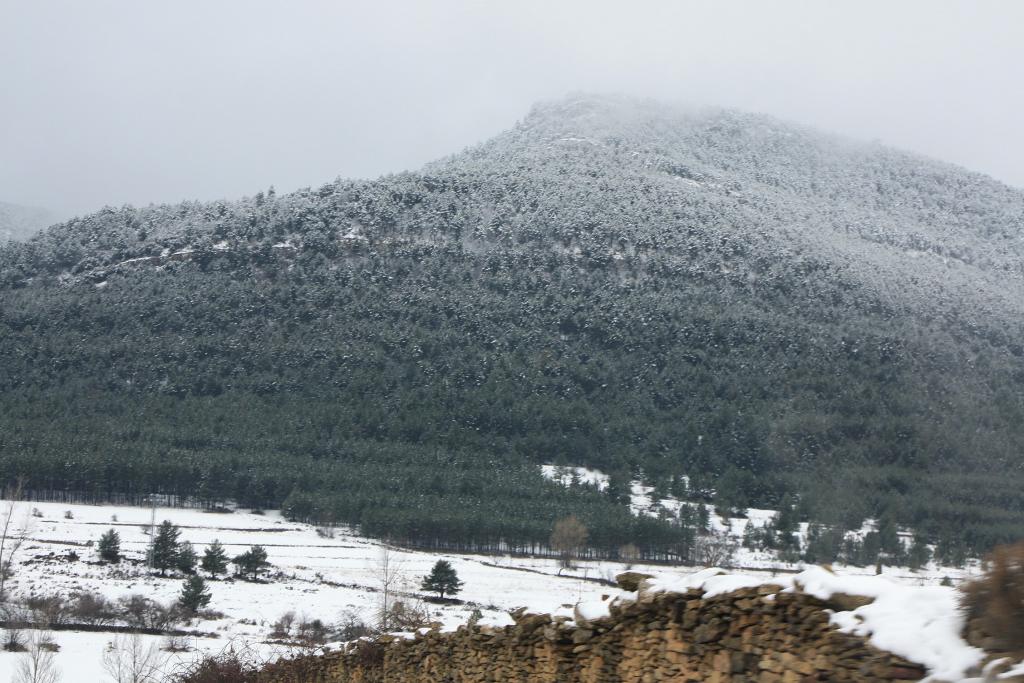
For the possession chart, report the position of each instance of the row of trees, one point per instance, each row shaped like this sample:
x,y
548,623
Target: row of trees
x,y
167,552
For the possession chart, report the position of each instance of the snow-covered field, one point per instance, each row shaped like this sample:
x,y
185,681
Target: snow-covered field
x,y
315,577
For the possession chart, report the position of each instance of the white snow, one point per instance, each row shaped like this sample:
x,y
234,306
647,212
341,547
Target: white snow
x,y
322,578
921,623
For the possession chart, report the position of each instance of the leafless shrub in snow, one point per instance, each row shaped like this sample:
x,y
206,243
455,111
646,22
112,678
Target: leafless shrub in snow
x,y
283,626
176,643
351,626
715,549
128,659
38,663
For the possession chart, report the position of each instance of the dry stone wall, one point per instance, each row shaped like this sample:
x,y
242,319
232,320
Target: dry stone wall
x,y
753,634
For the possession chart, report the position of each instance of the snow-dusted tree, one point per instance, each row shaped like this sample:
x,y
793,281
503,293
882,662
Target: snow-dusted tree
x,y
110,546
186,559
252,562
163,551
194,594
215,559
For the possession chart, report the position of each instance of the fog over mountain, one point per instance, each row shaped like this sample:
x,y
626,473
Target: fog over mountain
x,y
100,104
775,312
21,222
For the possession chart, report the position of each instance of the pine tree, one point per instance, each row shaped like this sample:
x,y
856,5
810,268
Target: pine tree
x,y
186,559
703,519
442,579
215,560
252,562
110,546
194,595
164,547
919,554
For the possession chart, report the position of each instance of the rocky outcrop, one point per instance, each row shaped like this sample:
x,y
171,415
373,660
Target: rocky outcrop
x,y
760,634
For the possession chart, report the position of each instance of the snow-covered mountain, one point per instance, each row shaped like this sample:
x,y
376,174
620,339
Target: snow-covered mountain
x,y
624,285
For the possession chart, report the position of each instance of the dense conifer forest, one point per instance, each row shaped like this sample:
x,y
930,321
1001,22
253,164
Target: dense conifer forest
x,y
778,314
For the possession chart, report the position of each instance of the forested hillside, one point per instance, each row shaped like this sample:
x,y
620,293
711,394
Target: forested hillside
x,y
21,222
624,285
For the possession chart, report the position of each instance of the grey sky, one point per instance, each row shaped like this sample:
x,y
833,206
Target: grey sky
x,y
107,102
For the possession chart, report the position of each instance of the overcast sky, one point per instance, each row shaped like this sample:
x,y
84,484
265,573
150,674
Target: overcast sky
x,y
115,101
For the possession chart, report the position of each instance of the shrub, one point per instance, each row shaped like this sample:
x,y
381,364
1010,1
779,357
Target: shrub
x,y
352,626
48,609
229,666
994,603
142,612
14,639
405,617
283,626
93,608
312,631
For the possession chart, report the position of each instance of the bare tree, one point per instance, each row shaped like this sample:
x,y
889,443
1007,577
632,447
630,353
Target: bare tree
x,y
716,548
629,554
128,659
389,576
569,537
38,664
12,534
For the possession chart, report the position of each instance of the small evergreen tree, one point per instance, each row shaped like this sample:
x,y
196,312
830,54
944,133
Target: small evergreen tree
x,y
186,559
164,547
110,546
194,595
215,560
703,519
919,554
252,562
442,579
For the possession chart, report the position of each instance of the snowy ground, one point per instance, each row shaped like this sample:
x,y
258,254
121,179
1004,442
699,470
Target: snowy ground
x,y
317,577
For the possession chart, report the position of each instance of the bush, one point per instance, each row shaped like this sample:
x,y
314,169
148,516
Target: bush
x,y
142,612
227,667
352,626
283,626
405,617
312,631
48,609
14,639
93,608
994,603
